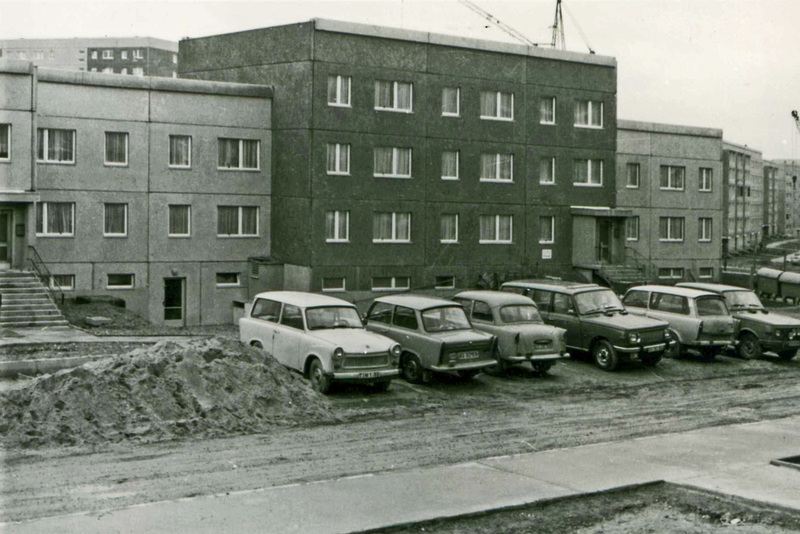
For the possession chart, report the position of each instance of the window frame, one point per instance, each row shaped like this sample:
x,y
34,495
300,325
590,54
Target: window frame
x,y
108,54
219,284
124,205
590,105
671,275
441,238
627,228
241,168
701,229
498,107
240,210
709,172
450,285
669,238
8,128
394,238
670,186
45,233
188,220
336,220
458,165
394,286
552,239
395,91
552,101
52,282
589,173
395,163
458,102
496,240
169,155
337,148
137,53
552,168
709,270
115,287
105,154
45,147
337,103
638,175
497,168
333,289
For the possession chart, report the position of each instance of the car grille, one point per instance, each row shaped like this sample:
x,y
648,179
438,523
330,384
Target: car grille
x,y
651,336
366,361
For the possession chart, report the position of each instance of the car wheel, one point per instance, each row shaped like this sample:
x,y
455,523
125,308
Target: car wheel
x,y
469,374
787,354
501,369
605,356
676,349
319,380
749,347
381,386
412,369
709,354
257,345
650,360
541,368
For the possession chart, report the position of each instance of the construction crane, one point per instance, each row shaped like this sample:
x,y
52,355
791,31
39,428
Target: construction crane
x,y
499,23
558,42
796,118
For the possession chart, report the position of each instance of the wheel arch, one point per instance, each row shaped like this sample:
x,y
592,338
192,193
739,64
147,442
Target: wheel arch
x,y
307,362
748,331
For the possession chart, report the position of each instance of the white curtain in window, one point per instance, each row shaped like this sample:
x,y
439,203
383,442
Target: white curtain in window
x,y
487,227
581,112
383,94
545,229
332,83
581,171
506,105
449,227
546,170
504,229
179,220
382,226
488,104
450,164
632,227
116,147
249,154
664,176
249,220
39,218
344,90
179,150
404,161
227,220
330,225
506,166
115,218
597,113
403,226
678,177
40,143
383,160
450,100
228,153
404,95
59,217
546,112
488,165
344,158
341,230
59,145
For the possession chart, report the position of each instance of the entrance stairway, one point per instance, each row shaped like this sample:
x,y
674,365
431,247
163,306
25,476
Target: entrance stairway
x,y
25,301
621,277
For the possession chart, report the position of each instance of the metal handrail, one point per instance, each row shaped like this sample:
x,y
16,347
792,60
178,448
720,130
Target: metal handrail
x,y
49,283
641,262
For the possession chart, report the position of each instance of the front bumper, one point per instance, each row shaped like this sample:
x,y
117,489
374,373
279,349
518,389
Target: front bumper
x,y
644,349
722,343
519,358
364,376
463,366
780,344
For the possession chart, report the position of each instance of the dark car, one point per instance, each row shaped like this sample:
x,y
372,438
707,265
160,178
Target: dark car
x,y
759,329
596,321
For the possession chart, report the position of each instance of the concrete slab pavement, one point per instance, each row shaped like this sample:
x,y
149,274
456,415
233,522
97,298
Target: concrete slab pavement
x,y
69,334
727,459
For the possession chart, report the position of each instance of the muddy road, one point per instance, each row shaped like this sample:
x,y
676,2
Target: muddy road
x,y
448,421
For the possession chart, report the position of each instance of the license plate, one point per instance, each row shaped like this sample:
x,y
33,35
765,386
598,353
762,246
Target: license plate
x,y
368,375
654,348
468,355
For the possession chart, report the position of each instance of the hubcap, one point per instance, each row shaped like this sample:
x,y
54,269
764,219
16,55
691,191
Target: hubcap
x,y
602,356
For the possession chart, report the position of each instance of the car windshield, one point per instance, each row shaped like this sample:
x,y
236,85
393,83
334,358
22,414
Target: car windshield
x,y
333,317
520,313
597,301
742,299
445,318
711,306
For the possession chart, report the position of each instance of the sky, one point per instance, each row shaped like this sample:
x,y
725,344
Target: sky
x,y
729,64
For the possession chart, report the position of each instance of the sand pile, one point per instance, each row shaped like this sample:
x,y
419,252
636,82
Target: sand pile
x,y
172,389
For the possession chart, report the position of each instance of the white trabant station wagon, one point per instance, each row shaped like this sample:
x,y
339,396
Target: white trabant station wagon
x,y
320,336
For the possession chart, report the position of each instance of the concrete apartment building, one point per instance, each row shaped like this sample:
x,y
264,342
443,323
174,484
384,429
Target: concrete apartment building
x,y
406,159
137,56
774,208
671,179
153,190
743,200
789,170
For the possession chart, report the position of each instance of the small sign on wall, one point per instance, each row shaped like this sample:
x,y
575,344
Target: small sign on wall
x,y
547,254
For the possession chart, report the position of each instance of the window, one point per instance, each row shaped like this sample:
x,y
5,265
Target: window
x,y
405,318
56,146
238,154
292,317
672,178
632,173
496,228
392,162
481,312
632,228
547,110
451,101
55,219
394,96
337,226
543,299
705,229
94,54
53,54
180,217
124,54
448,228
669,303
338,159
562,303
228,280
123,71
450,165
334,283
497,167
180,151
115,223
108,54
339,90
120,281
497,105
547,171
175,58
588,172
547,230
671,228
5,142
38,54
268,310
636,299
108,70
137,54
391,227
706,177
65,282
116,148
588,114
706,272
138,71
391,283
23,54
445,282
239,221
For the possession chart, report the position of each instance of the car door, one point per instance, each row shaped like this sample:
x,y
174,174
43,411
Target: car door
x,y
379,319
563,314
267,312
481,317
674,309
288,332
635,301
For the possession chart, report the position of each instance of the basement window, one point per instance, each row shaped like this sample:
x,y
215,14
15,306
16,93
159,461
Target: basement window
x,y
120,281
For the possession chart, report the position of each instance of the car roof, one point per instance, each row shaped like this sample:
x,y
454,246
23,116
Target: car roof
x,y
417,302
676,290
303,299
557,285
716,288
495,298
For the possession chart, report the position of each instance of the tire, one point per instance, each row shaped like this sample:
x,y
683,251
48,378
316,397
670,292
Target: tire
x,y
709,354
316,374
469,374
257,345
541,368
677,349
651,360
381,386
749,348
501,369
411,369
786,355
604,355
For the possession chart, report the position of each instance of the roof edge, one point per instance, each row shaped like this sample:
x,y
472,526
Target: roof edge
x,y
660,127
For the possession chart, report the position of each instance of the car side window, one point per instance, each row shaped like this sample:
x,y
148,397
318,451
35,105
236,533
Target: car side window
x,y
465,303
511,289
405,318
268,310
562,303
669,303
481,312
636,299
542,299
292,316
380,313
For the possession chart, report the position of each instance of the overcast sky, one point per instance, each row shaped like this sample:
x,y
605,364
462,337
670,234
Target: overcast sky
x,y
730,64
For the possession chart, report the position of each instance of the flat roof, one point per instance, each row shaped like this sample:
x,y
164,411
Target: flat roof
x,y
658,127
91,42
727,145
330,25
124,81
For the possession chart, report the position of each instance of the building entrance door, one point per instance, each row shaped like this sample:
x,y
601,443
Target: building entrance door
x,y
604,236
174,301
5,239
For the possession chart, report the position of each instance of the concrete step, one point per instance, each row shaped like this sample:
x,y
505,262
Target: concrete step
x,y
39,322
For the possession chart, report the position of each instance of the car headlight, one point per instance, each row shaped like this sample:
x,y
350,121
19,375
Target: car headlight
x,y
338,357
633,338
667,335
778,333
795,333
394,353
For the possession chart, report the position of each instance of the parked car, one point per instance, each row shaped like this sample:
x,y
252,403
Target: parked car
x,y
521,333
759,329
596,321
697,319
435,334
320,336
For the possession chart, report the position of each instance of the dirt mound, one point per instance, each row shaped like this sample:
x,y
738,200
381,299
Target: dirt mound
x,y
172,389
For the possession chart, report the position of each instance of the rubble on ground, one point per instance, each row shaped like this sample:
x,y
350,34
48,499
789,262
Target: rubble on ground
x,y
201,388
